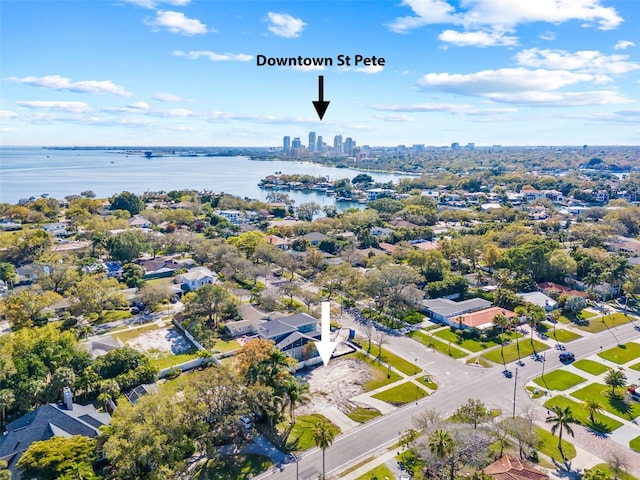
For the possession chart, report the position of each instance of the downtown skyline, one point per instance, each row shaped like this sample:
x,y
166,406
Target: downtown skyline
x,y
185,72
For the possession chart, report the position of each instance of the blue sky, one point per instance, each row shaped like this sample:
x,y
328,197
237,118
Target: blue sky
x,y
183,72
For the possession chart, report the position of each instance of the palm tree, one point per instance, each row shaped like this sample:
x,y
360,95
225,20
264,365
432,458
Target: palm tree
x,y
441,445
593,407
7,398
323,436
561,419
296,392
615,379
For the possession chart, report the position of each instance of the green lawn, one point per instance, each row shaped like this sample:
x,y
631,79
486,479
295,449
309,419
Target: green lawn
x,y
130,333
225,346
622,354
589,366
559,380
379,372
380,472
570,318
548,444
615,405
170,360
563,335
478,361
233,467
401,394
405,366
636,366
362,415
300,437
467,343
427,381
533,393
603,423
511,351
607,469
635,444
597,324
440,346
113,315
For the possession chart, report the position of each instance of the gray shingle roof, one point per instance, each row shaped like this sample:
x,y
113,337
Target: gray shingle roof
x,y
449,308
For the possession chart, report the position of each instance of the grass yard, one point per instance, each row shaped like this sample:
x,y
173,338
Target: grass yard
x,y
300,437
233,467
603,423
171,360
381,472
405,366
379,372
467,343
635,367
113,315
427,381
559,380
570,318
598,324
478,361
130,333
622,354
589,366
563,335
401,394
438,345
635,444
511,351
362,415
534,395
603,467
224,346
548,444
615,405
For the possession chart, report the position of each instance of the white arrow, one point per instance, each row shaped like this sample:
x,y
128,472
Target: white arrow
x,y
325,346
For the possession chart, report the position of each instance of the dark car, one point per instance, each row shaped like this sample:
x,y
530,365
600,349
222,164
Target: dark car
x,y
567,357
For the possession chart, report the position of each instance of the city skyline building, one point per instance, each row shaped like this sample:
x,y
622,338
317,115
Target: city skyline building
x,y
337,143
311,147
286,143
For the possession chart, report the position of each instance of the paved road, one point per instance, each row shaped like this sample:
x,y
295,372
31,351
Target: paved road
x,y
457,383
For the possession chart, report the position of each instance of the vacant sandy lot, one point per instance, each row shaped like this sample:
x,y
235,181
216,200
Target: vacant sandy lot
x,y
335,384
162,339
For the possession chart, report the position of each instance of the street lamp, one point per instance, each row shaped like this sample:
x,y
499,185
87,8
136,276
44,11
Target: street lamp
x,y
296,459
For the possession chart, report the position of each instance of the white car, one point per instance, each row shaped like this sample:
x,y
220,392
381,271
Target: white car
x,y
404,476
246,422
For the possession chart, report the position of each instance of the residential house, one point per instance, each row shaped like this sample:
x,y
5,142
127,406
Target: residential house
x,y
625,245
113,269
98,346
376,193
138,221
58,229
531,194
481,319
314,238
196,277
539,299
234,216
291,334
512,468
52,420
380,231
281,243
446,311
30,272
4,289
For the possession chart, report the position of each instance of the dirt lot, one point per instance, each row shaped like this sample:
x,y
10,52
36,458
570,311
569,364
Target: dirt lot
x,y
335,384
163,339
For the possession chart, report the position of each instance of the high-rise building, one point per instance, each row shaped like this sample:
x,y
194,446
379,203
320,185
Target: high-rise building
x,y
286,144
349,146
296,143
455,146
337,143
312,142
319,144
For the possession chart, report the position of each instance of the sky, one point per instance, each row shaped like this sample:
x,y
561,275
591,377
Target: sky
x,y
185,72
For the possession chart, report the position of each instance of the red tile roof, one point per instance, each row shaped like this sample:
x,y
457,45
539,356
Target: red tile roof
x,y
512,468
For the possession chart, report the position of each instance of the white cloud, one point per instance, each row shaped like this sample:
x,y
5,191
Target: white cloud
x,y
548,36
138,106
623,44
213,56
395,118
563,99
56,82
177,22
151,4
172,112
284,25
370,69
309,68
454,108
588,61
507,80
504,14
71,107
167,97
478,38
426,12
7,114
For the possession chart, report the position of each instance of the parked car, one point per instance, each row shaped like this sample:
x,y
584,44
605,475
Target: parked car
x,y
135,310
567,357
404,476
246,422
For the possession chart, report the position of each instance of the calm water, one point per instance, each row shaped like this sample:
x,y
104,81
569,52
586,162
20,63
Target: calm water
x,y
29,171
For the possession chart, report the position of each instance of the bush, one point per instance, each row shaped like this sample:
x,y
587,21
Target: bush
x,y
174,372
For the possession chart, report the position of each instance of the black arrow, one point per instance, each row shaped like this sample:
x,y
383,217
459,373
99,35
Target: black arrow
x,y
320,105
